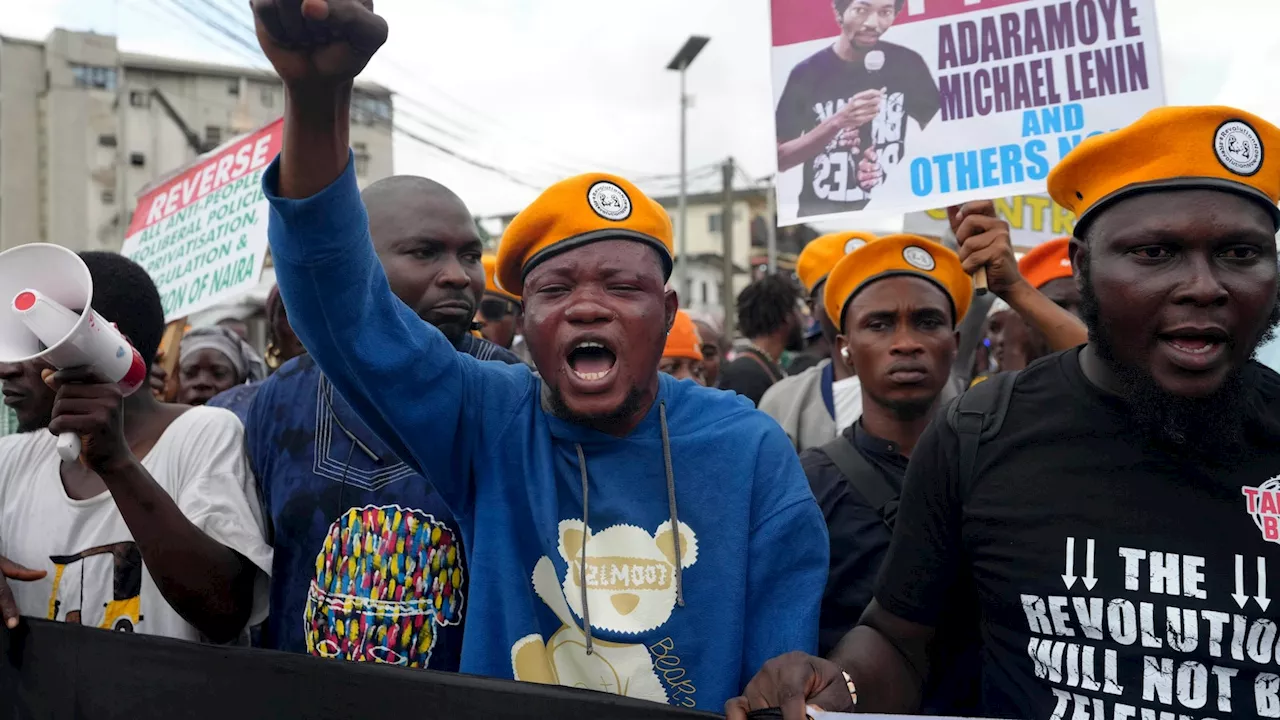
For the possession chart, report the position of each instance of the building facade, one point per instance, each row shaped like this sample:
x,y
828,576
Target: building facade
x,y
84,128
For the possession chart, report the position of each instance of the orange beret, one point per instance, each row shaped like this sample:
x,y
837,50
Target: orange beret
x,y
574,212
822,254
897,255
1214,148
490,263
683,340
1046,262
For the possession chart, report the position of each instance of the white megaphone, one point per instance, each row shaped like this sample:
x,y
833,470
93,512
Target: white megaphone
x,y
46,293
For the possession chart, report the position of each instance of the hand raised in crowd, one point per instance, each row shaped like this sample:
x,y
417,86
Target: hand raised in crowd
x,y
10,570
790,682
860,110
984,242
318,44
90,408
870,173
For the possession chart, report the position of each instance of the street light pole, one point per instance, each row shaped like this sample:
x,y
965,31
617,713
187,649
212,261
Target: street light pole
x,y
680,63
682,208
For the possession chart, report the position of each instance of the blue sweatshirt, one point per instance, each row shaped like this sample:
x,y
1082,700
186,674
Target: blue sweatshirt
x,y
750,552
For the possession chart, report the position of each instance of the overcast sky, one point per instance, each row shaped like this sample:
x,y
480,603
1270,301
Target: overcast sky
x,y
546,88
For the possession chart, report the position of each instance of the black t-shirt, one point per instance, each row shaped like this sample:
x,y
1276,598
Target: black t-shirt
x,y
751,374
818,87
859,541
859,535
1115,581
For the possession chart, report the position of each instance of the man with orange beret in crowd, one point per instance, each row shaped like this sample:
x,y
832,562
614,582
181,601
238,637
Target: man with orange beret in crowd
x,y
815,404
1047,268
1115,527
619,524
499,312
1015,343
682,355
899,301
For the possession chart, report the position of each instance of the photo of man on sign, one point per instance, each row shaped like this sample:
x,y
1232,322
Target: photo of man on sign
x,y
843,111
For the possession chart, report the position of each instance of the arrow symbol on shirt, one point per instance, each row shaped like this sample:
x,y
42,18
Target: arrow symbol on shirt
x,y
1239,596
1089,579
1263,601
1070,576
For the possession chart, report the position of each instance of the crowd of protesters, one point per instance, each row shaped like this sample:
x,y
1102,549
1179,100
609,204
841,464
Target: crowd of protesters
x,y
1031,502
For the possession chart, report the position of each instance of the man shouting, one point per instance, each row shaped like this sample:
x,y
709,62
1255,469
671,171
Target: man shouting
x,y
1117,527
625,532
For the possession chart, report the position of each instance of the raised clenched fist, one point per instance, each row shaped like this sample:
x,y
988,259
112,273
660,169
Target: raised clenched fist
x,y
318,45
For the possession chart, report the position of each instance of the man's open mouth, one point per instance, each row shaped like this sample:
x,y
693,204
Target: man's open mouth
x,y
591,360
1197,348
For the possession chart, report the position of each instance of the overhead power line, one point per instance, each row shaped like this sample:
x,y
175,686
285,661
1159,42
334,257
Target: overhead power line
x,y
225,29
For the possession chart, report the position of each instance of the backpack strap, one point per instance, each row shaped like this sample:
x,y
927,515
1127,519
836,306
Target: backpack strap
x,y
775,373
977,416
864,478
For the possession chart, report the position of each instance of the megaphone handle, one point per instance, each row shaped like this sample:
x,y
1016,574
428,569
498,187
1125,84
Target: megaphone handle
x,y
69,446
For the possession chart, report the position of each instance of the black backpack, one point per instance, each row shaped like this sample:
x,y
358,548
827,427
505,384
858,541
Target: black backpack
x,y
976,417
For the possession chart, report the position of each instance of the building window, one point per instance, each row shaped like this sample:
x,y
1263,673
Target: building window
x,y
137,159
361,152
370,110
233,88
268,97
139,99
94,76
213,135
108,197
107,140
704,292
713,223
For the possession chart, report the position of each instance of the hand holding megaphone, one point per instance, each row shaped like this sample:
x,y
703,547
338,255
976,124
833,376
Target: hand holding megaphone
x,y
87,417
49,292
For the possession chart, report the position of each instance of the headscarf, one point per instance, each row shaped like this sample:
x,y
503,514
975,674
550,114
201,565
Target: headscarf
x,y
247,362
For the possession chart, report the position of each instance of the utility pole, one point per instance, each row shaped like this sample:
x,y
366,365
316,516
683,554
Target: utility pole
x,y
771,228
727,298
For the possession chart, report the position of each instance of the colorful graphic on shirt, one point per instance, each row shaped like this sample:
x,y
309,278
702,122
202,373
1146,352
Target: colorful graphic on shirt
x,y
631,589
100,586
1263,504
386,579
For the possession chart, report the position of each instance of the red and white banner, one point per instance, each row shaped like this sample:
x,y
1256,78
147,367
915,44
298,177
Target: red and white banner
x,y
202,235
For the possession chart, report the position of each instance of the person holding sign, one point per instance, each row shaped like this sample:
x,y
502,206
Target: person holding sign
x,y
626,532
1116,520
843,112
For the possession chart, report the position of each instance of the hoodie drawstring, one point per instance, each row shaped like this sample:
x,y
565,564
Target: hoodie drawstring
x,y
671,502
586,527
582,566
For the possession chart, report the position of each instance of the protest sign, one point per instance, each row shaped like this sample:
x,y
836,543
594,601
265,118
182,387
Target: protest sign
x,y
1032,219
202,236
906,105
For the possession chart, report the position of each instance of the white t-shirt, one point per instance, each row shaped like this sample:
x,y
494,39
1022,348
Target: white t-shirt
x,y
95,572
847,396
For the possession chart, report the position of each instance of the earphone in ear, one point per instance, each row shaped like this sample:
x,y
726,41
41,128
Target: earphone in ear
x,y
844,353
